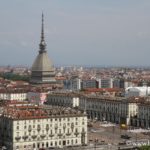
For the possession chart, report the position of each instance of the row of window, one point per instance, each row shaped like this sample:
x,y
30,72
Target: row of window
x,y
47,125
55,131
51,120
50,144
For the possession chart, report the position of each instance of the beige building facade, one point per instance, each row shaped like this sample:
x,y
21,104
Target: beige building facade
x,y
33,127
114,109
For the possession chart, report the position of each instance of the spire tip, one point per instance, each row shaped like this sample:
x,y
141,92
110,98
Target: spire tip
x,y
42,43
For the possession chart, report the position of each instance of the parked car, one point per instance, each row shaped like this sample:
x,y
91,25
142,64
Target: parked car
x,y
125,136
122,143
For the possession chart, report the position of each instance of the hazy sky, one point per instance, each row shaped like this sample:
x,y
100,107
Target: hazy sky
x,y
77,32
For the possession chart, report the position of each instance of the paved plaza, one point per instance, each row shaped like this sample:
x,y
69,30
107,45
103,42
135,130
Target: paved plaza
x,y
110,135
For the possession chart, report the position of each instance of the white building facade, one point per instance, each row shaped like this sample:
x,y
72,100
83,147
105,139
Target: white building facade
x,y
143,116
63,99
42,128
113,109
21,96
137,91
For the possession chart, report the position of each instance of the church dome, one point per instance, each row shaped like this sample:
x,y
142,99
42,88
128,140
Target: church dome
x,y
42,63
42,70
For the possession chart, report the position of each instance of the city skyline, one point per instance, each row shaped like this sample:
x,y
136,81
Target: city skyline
x,y
96,33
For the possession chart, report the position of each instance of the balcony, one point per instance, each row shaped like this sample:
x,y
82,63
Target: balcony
x,y
34,136
25,137
51,135
60,134
17,138
68,134
76,133
83,132
42,136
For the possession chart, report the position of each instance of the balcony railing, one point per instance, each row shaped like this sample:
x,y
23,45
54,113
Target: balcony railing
x,y
51,135
34,136
83,132
76,133
60,134
25,137
42,136
68,134
18,138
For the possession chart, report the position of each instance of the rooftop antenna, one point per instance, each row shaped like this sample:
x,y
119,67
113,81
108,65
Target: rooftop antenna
x,y
42,44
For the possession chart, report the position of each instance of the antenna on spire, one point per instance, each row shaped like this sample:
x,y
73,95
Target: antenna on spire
x,y
42,30
42,43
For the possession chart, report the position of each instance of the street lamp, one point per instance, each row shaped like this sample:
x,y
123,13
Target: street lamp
x,y
96,141
136,137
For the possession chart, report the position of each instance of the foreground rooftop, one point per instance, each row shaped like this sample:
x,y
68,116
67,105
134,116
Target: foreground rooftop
x,y
20,110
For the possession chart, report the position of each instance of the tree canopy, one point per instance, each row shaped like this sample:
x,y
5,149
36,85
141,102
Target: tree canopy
x,y
14,77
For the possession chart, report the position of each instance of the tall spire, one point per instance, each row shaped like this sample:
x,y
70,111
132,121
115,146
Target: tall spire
x,y
42,44
42,31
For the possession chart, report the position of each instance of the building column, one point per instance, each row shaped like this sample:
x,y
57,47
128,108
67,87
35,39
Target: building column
x,y
128,121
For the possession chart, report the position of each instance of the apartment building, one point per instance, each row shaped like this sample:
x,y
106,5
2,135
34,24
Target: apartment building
x,y
63,99
113,109
31,127
143,117
105,83
13,95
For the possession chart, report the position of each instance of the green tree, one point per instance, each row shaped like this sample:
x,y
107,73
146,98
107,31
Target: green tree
x,y
14,77
145,148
